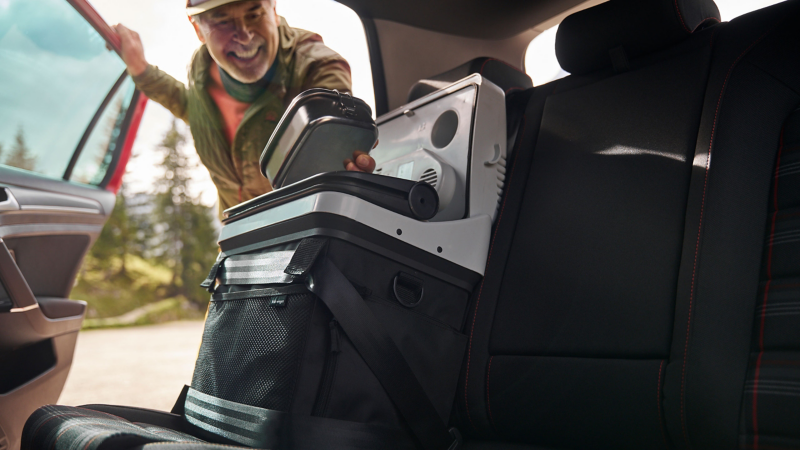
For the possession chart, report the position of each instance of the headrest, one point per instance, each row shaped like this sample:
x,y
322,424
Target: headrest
x,y
504,75
609,34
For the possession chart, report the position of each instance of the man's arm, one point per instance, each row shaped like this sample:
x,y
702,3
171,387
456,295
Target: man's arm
x,y
329,74
153,82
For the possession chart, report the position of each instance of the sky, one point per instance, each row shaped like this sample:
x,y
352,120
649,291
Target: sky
x,y
169,42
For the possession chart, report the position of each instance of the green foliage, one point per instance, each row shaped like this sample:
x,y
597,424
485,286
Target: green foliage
x,y
167,310
187,243
153,248
20,155
117,237
110,293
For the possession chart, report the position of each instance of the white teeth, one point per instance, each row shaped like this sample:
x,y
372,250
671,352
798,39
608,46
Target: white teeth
x,y
246,54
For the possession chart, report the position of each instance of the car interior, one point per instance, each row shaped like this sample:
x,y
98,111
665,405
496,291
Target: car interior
x,y
641,288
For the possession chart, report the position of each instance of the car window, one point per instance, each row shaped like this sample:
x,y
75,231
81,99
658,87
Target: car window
x,y
98,152
55,72
541,63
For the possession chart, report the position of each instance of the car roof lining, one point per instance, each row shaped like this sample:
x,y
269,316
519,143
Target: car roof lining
x,y
435,51
477,19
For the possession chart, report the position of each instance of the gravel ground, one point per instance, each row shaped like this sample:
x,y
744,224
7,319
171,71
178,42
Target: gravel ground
x,y
140,366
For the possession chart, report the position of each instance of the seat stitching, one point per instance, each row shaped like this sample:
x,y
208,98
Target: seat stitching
x,y
766,296
488,260
658,404
680,16
518,88
36,431
780,362
70,427
770,447
104,413
700,228
784,286
90,442
208,444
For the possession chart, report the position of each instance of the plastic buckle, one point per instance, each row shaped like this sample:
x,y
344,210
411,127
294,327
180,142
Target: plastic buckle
x,y
349,110
457,439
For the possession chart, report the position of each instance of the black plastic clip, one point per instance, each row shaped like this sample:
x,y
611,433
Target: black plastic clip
x,y
210,283
349,110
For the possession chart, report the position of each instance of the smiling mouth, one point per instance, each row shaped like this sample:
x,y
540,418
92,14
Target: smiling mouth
x,y
245,55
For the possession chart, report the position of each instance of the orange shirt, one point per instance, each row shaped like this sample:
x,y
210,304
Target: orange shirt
x,y
232,110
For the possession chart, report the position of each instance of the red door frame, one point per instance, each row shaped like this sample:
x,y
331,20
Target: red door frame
x,y
93,17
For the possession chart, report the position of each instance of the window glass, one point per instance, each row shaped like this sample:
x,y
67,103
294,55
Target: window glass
x,y
98,151
542,65
55,72
730,9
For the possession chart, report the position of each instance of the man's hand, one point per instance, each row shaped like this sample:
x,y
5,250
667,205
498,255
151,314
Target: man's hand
x,y
361,162
132,50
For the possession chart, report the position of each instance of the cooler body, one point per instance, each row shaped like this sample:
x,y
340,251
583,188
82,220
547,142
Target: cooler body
x,y
274,349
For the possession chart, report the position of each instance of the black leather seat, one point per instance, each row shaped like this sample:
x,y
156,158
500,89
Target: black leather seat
x,y
640,290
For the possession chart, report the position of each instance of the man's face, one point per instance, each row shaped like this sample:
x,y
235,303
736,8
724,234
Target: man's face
x,y
242,37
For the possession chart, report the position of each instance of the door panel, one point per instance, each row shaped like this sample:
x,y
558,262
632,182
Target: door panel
x,y
35,351
44,236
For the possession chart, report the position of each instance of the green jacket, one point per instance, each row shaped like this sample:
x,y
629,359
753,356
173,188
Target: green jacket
x,y
304,62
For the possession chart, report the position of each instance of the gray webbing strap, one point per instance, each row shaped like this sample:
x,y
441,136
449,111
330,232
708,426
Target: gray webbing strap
x,y
265,428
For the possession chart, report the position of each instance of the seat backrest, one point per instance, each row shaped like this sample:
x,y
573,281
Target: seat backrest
x,y
601,321
753,89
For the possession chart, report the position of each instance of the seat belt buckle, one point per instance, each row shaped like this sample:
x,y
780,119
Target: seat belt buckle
x,y
457,439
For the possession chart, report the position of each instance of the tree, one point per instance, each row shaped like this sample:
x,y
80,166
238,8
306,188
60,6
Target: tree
x,y
118,237
20,155
187,242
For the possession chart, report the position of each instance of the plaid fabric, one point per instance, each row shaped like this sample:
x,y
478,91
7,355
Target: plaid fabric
x,y
771,412
70,428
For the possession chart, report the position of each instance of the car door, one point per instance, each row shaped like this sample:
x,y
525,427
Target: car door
x,y
68,118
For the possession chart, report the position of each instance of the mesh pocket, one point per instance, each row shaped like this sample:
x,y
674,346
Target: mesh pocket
x,y
252,347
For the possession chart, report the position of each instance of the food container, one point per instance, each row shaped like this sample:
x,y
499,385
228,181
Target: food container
x,y
320,129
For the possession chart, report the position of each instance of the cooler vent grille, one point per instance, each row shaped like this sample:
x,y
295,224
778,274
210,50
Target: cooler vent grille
x,y
430,176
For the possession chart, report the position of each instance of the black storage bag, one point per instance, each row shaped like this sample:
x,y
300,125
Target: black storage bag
x,y
278,370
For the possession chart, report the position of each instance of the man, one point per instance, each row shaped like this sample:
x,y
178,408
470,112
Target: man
x,y
250,66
